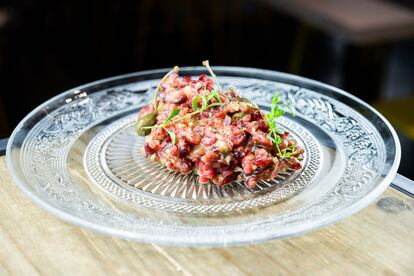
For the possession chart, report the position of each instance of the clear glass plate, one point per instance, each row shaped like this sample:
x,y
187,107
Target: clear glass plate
x,y
78,157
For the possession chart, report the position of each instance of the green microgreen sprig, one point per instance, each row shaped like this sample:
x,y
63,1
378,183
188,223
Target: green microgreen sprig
x,y
206,64
274,131
176,69
164,125
205,99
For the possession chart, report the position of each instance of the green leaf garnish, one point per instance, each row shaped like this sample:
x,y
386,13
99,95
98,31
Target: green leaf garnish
x,y
214,94
197,110
172,115
203,103
195,102
275,99
274,130
275,110
278,140
214,104
157,90
172,135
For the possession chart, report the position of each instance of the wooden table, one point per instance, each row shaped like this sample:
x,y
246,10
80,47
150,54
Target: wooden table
x,y
378,241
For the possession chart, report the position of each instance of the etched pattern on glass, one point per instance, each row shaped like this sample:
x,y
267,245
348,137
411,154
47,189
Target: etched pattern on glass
x,y
48,143
115,161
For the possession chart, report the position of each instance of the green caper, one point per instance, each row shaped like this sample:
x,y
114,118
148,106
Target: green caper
x,y
238,116
146,121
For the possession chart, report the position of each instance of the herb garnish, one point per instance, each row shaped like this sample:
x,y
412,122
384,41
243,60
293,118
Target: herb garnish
x,y
274,130
154,99
204,103
151,118
206,64
204,106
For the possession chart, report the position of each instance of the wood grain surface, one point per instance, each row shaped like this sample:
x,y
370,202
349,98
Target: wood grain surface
x,y
377,241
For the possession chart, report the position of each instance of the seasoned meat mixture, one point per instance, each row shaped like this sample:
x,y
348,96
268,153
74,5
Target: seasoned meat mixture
x,y
216,134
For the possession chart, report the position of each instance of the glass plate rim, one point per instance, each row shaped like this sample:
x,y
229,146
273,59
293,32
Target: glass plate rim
x,y
299,229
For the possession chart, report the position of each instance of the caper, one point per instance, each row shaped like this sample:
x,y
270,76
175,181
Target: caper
x,y
146,121
238,116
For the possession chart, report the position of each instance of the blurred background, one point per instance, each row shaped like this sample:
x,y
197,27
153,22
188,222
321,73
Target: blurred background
x,y
363,46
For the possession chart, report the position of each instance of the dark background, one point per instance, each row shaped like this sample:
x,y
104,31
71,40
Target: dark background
x,y
47,47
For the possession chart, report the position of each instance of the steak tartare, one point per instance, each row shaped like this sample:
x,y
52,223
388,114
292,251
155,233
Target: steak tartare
x,y
194,126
